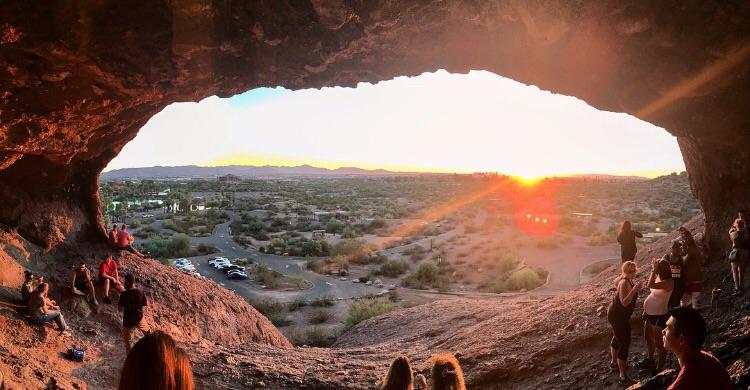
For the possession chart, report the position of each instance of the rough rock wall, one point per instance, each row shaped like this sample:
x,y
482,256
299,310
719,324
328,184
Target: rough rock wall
x,y
78,79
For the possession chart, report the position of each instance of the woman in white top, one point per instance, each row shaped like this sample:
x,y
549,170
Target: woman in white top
x,y
656,309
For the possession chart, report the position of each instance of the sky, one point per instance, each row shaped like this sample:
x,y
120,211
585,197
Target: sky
x,y
442,122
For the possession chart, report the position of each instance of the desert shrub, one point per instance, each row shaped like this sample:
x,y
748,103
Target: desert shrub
x,y
297,303
366,309
320,316
392,268
313,336
314,265
426,275
523,279
369,259
267,277
507,263
146,232
334,226
179,246
205,249
267,306
547,243
322,301
297,281
350,247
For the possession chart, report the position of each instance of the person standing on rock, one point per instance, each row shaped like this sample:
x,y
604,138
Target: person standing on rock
x,y
618,315
626,237
132,302
43,310
684,336
399,376
741,248
692,270
656,310
156,363
108,275
674,258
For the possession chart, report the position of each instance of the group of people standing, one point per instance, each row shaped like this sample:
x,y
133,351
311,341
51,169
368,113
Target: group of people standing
x,y
671,320
446,374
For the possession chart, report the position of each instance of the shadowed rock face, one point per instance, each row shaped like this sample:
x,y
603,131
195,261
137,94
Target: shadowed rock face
x,y
79,79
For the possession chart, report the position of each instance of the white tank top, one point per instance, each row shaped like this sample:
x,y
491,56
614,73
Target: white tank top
x,y
657,303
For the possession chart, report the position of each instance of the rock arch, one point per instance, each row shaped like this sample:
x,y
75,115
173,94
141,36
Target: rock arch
x,y
79,79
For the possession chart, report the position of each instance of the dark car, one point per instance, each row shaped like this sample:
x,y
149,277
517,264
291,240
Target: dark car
x,y
239,275
233,268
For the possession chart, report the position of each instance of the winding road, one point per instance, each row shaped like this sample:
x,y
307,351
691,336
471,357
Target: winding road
x,y
322,285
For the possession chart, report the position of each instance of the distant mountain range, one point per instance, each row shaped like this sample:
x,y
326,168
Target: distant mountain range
x,y
243,171
269,171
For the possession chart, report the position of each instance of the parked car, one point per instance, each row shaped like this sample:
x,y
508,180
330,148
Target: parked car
x,y
233,268
184,264
213,259
221,266
220,262
239,275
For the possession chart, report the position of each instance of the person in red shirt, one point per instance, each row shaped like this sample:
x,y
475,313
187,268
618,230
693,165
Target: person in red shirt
x,y
108,275
113,235
125,241
684,335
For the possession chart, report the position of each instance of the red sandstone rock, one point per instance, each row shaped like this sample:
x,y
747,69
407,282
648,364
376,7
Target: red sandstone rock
x,y
77,81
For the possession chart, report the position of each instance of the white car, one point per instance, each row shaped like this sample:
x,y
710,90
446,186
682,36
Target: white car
x,y
184,264
220,265
218,259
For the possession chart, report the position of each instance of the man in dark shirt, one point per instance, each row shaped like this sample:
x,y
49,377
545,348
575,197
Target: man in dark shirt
x,y
131,303
684,335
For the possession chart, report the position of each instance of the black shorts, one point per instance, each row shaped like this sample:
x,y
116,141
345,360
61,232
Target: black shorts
x,y
82,287
656,320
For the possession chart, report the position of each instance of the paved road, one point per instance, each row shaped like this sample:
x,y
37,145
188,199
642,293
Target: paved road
x,y
321,285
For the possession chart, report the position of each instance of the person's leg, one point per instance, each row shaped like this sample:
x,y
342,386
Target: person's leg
x,y
60,320
659,343
134,251
105,288
623,338
649,337
127,335
736,274
92,293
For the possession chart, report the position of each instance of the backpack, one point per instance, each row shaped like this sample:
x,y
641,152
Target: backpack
x,y
76,354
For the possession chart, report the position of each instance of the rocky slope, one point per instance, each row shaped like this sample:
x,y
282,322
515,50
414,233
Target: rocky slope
x,y
559,342
78,80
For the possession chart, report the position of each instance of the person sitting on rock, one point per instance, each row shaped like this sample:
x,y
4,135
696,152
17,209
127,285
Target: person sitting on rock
x,y
83,284
30,283
125,241
618,315
741,247
684,336
156,363
108,276
113,235
446,373
132,302
43,310
656,310
399,376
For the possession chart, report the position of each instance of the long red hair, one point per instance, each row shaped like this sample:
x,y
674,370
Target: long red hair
x,y
156,363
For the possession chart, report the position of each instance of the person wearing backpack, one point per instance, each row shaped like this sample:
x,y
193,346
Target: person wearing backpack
x,y
739,254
